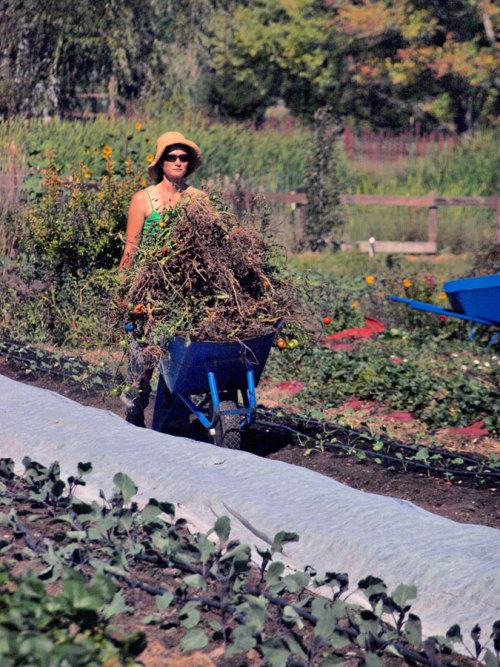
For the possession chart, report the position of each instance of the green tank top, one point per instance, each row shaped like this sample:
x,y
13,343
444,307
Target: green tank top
x,y
151,220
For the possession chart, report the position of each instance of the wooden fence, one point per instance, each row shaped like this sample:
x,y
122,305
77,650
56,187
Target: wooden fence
x,y
431,201
387,146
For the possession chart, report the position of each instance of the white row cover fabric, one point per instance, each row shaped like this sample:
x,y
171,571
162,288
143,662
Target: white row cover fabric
x,y
456,567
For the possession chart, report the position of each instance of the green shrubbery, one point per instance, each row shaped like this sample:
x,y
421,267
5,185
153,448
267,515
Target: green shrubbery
x,y
57,285
421,362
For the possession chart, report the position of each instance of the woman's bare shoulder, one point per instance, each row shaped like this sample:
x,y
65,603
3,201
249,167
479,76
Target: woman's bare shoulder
x,y
139,203
139,196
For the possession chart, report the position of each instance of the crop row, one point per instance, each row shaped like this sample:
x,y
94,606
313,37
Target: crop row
x,y
205,586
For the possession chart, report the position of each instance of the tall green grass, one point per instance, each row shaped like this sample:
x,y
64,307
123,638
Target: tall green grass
x,y
266,158
471,168
273,161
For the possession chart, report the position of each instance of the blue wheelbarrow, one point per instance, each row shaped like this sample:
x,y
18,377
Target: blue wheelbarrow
x,y
206,379
476,300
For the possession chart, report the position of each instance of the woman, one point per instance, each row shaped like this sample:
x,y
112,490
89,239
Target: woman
x,y
176,157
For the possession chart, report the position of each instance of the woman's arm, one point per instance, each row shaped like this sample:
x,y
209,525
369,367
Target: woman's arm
x,y
135,223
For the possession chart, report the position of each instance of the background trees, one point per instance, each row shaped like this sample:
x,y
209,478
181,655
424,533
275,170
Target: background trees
x,y
378,62
387,63
54,51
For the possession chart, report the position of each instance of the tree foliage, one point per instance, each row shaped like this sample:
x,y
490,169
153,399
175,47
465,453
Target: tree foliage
x,y
378,62
386,62
323,217
53,52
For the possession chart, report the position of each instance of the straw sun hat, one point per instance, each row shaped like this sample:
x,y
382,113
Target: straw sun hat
x,y
171,139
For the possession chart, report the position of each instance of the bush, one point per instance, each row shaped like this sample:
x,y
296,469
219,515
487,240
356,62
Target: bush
x,y
60,280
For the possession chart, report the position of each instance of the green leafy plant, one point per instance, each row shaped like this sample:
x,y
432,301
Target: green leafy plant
x,y
69,628
209,589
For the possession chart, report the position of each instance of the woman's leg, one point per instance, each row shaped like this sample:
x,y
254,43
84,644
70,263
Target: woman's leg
x,y
139,373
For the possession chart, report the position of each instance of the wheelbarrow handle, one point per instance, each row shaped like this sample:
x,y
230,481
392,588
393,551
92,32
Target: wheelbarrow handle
x,y
430,307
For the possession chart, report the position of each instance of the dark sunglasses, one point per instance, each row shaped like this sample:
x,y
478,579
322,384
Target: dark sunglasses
x,y
172,157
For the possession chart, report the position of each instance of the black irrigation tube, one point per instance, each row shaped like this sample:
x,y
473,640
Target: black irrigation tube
x,y
32,359
349,431
323,426
388,457
218,604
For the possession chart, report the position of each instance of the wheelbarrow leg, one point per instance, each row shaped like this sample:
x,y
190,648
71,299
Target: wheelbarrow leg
x,y
225,431
493,339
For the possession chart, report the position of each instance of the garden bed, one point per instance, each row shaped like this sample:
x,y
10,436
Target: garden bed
x,y
451,499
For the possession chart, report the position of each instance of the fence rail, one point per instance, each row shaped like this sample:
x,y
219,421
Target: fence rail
x,y
430,201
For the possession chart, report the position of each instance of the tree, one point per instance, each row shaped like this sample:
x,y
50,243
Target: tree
x,y
435,60
261,51
384,62
323,214
52,52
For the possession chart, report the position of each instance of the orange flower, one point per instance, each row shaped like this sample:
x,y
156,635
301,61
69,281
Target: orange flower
x,y
143,181
407,282
370,279
150,157
354,304
442,295
139,309
138,126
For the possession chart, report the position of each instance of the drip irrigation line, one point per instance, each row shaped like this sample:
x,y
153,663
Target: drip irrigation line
x,y
365,436
220,605
4,343
52,371
388,457
307,422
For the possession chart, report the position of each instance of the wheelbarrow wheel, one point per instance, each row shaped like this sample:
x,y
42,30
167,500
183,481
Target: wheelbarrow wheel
x,y
227,427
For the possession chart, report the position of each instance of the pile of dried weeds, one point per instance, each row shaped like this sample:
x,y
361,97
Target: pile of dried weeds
x,y
206,275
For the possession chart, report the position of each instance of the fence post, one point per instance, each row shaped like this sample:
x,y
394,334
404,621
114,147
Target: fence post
x,y
432,229
111,93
